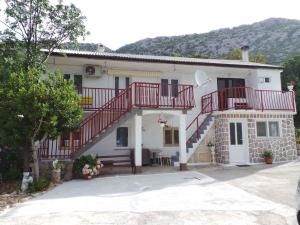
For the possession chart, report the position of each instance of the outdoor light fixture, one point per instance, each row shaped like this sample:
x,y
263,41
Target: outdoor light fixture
x,y
162,122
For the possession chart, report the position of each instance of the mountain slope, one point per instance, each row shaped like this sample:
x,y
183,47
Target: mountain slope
x,y
276,38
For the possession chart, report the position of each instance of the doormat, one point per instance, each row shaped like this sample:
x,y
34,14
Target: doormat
x,y
243,165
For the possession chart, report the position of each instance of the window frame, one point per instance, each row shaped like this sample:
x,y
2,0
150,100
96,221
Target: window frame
x,y
121,146
164,89
173,129
267,122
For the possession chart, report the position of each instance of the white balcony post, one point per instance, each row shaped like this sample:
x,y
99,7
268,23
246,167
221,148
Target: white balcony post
x,y
138,143
182,142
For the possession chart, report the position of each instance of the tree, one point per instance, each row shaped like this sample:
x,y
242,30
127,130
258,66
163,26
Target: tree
x,y
190,55
32,108
36,24
236,54
291,72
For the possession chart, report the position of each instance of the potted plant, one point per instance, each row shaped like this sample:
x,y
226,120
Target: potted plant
x,y
268,156
56,172
211,146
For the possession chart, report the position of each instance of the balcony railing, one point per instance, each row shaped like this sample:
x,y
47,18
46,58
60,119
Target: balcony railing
x,y
248,98
138,95
156,95
94,98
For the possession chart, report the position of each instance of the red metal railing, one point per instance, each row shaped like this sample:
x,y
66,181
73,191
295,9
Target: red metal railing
x,y
141,95
155,95
94,98
193,129
248,98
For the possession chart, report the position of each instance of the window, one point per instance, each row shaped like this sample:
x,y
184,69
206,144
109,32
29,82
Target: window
x,y
164,87
67,76
174,88
273,129
117,86
236,133
171,136
267,129
261,128
78,83
122,137
267,79
127,82
232,133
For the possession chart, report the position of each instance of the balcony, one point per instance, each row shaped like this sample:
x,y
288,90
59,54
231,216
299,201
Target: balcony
x,y
246,98
143,95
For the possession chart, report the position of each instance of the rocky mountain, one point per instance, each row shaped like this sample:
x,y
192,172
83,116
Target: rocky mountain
x,y
276,38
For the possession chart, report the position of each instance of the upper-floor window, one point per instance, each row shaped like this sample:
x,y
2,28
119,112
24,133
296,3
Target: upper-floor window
x,y
165,87
78,83
67,76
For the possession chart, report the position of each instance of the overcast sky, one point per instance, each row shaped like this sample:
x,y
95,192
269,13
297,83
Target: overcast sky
x,y
118,22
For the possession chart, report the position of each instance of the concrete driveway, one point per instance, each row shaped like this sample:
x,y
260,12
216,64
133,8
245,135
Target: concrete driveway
x,y
229,195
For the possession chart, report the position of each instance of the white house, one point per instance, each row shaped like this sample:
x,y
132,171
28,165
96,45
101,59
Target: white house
x,y
135,102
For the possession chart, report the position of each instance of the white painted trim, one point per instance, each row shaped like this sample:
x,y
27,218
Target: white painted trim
x,y
245,137
267,120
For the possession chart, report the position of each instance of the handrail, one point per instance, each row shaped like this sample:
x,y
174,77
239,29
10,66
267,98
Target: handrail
x,y
150,97
199,114
249,98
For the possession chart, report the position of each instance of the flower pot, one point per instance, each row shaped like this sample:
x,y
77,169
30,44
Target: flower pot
x,y
268,160
56,176
87,177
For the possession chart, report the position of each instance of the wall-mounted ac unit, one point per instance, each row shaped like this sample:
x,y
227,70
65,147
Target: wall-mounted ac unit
x,y
93,70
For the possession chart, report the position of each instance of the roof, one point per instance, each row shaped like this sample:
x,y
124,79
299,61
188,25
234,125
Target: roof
x,y
160,59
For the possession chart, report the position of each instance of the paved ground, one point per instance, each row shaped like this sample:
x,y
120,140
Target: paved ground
x,y
223,195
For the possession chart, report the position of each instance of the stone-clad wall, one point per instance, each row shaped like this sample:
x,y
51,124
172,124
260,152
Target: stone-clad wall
x,y
221,139
283,147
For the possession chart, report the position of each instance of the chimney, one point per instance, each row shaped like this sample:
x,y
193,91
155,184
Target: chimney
x,y
245,53
100,48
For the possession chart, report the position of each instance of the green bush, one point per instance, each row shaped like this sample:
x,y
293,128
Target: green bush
x,y
12,174
39,185
79,164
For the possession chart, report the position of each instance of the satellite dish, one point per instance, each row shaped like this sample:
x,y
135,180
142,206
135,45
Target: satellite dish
x,y
201,78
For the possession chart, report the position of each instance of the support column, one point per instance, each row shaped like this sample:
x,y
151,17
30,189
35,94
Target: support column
x,y
138,143
182,142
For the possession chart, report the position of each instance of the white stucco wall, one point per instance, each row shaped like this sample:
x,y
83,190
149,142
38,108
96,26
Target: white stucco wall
x,y
152,132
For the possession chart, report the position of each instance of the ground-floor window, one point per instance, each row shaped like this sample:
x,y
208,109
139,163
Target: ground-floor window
x,y
122,137
171,136
267,129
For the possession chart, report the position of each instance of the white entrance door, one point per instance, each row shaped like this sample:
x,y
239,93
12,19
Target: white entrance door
x,y
238,143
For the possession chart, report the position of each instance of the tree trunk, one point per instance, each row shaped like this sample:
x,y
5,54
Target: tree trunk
x,y
25,151
36,168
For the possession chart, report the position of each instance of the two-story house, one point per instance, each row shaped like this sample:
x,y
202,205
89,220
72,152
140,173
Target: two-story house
x,y
174,106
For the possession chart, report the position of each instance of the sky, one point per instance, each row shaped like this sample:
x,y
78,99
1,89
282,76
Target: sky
x,y
115,23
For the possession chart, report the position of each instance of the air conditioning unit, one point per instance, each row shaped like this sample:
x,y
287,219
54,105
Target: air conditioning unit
x,y
93,70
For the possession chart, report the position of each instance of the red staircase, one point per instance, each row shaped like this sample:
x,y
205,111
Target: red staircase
x,y
137,95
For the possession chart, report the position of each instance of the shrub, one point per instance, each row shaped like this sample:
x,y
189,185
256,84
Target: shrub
x,y
59,166
12,174
38,185
79,164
